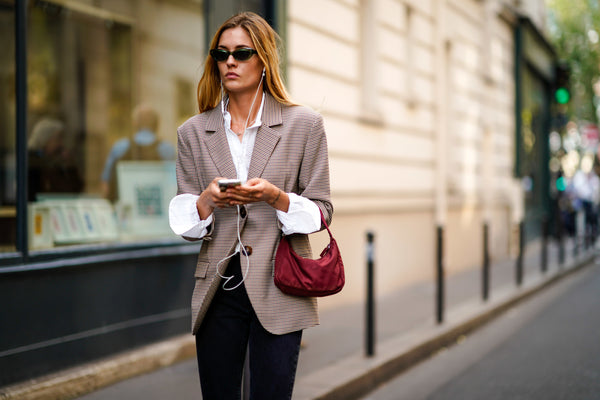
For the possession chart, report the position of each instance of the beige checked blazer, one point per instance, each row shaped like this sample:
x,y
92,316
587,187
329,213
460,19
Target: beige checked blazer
x,y
291,152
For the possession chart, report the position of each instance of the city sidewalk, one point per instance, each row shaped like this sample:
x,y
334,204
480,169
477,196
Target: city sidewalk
x,y
332,362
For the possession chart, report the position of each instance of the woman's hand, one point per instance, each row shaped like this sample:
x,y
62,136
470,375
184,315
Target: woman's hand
x,y
258,189
211,198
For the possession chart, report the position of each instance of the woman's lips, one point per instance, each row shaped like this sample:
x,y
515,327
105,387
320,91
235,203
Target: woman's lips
x,y
231,75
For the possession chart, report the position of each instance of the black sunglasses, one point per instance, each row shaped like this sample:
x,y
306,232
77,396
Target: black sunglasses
x,y
221,55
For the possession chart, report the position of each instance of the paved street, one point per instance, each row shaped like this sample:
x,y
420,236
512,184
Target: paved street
x,y
546,348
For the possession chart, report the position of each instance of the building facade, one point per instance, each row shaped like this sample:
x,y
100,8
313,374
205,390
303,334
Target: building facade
x,y
437,114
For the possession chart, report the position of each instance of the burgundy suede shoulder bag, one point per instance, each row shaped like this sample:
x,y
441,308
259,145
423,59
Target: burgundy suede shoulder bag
x,y
300,276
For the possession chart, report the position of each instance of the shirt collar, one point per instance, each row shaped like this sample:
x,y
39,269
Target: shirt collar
x,y
227,115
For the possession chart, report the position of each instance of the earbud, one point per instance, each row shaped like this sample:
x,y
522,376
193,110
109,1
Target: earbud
x,y
264,69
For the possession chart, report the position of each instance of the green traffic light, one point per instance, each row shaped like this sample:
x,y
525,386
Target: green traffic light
x,y
562,95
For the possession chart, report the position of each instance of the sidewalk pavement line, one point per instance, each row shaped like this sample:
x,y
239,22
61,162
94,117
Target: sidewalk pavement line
x,y
86,378
357,375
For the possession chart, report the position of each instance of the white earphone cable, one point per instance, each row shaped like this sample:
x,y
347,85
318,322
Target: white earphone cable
x,y
239,238
243,251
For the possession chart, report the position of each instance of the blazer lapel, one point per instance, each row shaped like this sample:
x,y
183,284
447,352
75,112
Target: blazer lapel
x,y
266,137
218,147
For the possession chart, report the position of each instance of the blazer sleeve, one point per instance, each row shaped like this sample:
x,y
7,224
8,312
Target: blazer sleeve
x,y
185,167
188,180
313,179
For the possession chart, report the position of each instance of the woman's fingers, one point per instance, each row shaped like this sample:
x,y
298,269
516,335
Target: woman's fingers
x,y
252,191
217,198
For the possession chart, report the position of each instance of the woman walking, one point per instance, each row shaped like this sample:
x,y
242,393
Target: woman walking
x,y
248,129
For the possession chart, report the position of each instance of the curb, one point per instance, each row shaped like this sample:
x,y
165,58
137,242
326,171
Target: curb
x,y
86,378
357,375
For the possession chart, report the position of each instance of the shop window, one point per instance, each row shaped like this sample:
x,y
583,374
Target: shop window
x,y
102,114
97,171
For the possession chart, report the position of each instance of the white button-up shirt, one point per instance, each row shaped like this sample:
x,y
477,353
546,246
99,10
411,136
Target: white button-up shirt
x,y
303,216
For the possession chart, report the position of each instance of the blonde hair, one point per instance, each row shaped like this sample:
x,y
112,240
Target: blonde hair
x,y
264,40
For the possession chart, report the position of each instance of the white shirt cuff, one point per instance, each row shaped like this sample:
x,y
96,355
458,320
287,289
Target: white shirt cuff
x,y
303,216
184,219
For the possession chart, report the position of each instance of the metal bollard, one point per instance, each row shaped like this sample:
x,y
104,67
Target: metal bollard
x,y
519,266
370,306
485,276
544,255
559,236
440,276
578,234
561,249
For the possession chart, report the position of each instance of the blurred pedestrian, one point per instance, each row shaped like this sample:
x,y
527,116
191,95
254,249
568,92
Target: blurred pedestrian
x,y
52,167
248,129
586,186
143,146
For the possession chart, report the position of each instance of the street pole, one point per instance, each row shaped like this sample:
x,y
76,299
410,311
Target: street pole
x,y
370,306
486,263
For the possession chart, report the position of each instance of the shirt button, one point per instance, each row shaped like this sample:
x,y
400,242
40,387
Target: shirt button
x,y
247,250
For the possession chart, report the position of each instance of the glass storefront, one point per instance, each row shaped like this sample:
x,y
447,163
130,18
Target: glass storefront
x,y
535,66
107,85
7,127
533,117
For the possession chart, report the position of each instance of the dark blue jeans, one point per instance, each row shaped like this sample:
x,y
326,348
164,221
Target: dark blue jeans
x,y
228,329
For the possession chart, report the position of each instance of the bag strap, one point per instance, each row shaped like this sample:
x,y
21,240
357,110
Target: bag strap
x,y
325,223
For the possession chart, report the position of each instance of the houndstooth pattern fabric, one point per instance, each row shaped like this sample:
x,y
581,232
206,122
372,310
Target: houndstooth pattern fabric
x,y
290,152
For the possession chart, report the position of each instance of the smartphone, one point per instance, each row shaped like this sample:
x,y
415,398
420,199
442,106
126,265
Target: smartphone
x,y
227,183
